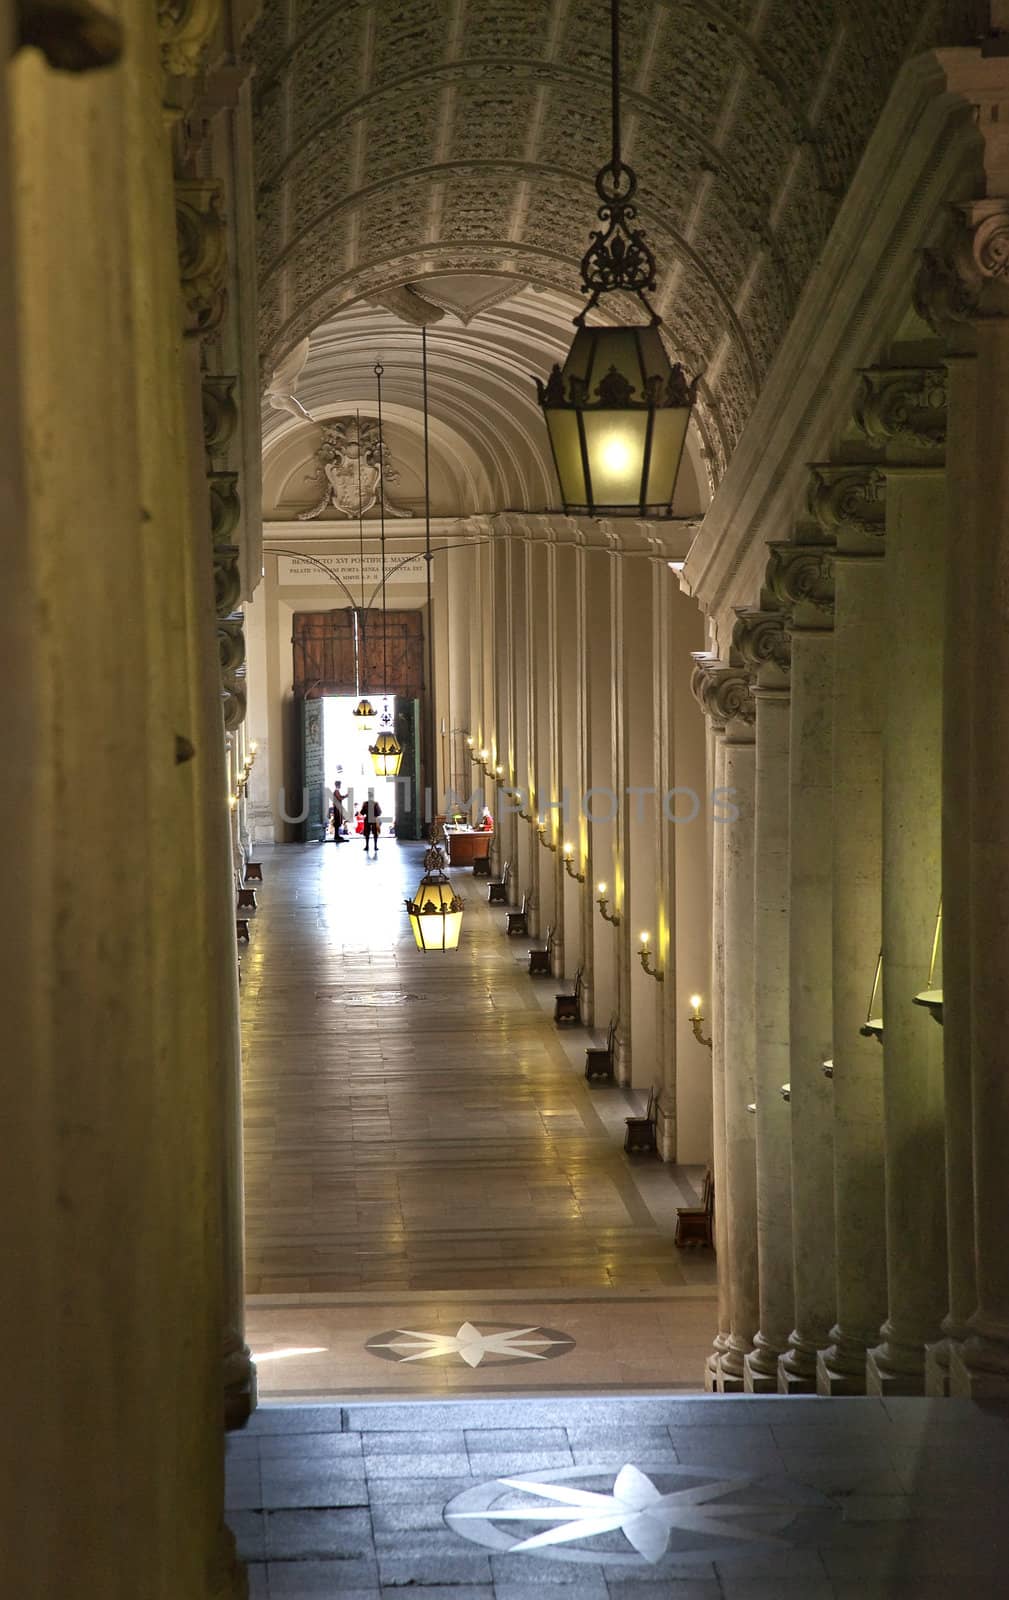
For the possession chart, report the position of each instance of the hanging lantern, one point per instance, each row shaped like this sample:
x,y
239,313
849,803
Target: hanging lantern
x,y
617,411
364,715
435,910
386,754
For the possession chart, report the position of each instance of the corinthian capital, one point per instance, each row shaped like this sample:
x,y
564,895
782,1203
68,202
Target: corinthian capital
x,y
73,35
761,639
966,277
848,499
724,693
186,28
203,254
903,405
801,574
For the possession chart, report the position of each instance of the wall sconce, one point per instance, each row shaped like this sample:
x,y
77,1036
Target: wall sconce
x,y
541,830
499,771
696,1020
827,1068
872,1028
931,995
526,816
786,1091
603,902
569,851
645,957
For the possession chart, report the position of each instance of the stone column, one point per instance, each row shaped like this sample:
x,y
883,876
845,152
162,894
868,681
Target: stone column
x,y
601,865
762,642
979,468
728,695
903,409
849,504
800,576
702,686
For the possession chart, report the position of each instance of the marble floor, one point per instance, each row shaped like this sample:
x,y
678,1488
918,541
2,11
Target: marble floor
x,y
422,1152
717,1498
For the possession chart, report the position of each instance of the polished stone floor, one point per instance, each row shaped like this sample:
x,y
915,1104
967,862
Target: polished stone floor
x,y
624,1499
422,1151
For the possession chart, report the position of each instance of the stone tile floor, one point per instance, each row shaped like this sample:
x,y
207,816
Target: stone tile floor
x,y
630,1498
421,1144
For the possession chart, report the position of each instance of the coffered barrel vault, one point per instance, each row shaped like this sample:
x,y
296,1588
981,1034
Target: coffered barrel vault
x,y
399,141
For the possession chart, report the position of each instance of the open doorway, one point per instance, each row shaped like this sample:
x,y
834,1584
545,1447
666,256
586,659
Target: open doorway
x,y
346,760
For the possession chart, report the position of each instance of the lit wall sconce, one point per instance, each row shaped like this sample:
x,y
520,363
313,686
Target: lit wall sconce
x,y
872,1028
827,1068
499,771
697,1020
931,995
232,802
603,903
541,830
645,957
786,1091
752,1107
569,868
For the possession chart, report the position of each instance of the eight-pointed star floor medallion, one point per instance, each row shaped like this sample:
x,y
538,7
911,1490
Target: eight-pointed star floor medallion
x,y
687,1514
493,1344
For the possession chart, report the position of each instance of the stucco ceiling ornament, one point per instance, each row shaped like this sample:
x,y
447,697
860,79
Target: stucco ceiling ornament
x,y
354,465
903,405
848,499
761,638
801,574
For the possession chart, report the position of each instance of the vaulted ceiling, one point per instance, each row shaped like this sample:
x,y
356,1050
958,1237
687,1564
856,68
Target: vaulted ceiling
x,y
403,140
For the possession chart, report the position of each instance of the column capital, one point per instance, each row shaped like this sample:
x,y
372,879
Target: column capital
x,y
801,575
967,276
724,693
761,638
220,412
849,498
186,27
203,253
903,406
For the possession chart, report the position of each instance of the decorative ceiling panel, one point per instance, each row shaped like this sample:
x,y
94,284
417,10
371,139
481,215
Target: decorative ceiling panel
x,y
398,139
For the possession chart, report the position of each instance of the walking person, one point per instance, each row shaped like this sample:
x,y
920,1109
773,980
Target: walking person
x,y
371,812
338,813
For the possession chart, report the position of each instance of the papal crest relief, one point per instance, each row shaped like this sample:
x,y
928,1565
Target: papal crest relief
x,y
355,467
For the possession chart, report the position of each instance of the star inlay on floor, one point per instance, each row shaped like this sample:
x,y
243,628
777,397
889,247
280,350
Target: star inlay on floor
x,y
497,1345
707,1515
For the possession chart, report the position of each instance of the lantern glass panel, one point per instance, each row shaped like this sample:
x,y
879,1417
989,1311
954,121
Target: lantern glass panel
x,y
669,434
615,443
567,446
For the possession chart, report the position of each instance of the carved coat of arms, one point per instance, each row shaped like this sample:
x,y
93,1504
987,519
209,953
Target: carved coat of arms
x,y
356,467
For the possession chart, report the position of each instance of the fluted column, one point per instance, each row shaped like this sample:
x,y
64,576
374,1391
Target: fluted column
x,y
762,642
904,410
849,503
800,576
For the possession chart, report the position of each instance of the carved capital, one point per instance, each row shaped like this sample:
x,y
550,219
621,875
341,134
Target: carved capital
x,y
723,692
73,35
959,280
903,405
220,413
801,574
203,254
227,579
225,506
848,500
761,638
186,28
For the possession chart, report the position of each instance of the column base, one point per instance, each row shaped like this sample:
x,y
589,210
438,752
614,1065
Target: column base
x,y
240,1388
228,1579
728,1382
937,1370
755,1379
885,1381
835,1380
790,1382
968,1380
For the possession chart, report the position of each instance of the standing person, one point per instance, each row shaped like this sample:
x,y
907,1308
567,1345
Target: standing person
x,y
371,811
339,815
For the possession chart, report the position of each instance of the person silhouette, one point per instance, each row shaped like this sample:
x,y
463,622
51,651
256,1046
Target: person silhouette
x,y
371,812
